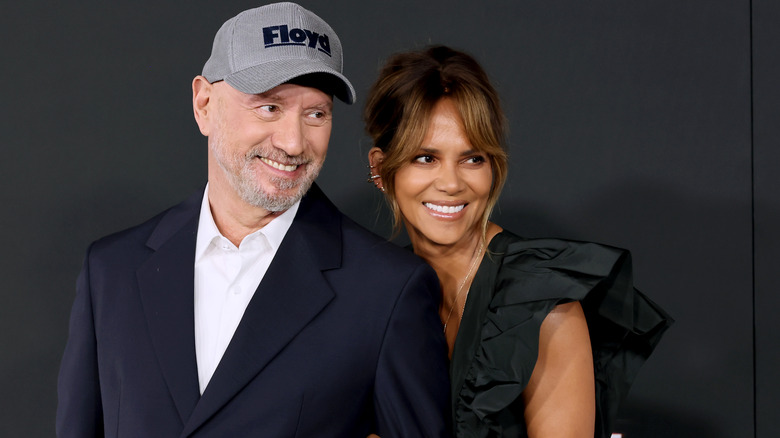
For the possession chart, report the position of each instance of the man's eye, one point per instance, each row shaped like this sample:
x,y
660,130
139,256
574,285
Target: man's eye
x,y
317,117
270,108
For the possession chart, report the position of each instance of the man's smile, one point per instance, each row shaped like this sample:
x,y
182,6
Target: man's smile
x,y
278,165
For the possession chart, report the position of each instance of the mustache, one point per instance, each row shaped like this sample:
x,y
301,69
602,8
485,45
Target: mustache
x,y
278,155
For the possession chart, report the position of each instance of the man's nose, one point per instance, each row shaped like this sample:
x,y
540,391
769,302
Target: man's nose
x,y
289,136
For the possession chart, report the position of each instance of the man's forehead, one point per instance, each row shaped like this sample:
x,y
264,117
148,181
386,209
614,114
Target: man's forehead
x,y
287,91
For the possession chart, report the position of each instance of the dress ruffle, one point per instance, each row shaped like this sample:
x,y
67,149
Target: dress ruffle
x,y
518,283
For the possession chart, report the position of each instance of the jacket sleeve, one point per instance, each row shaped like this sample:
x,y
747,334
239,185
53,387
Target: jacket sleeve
x,y
79,409
411,394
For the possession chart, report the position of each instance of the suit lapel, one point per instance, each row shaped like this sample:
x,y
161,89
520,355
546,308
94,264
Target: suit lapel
x,y
166,284
292,293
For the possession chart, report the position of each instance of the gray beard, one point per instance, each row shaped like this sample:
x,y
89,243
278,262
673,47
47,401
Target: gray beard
x,y
240,176
259,197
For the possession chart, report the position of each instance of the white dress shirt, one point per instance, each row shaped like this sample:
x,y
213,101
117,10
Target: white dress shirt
x,y
226,278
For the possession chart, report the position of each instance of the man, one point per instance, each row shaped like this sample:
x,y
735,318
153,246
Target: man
x,y
246,310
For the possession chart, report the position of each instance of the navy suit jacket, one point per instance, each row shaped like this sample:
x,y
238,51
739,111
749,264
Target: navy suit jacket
x,y
342,338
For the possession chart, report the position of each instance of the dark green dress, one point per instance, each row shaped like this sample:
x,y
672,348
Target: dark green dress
x,y
518,283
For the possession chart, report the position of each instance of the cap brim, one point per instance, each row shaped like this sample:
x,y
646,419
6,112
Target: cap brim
x,y
263,77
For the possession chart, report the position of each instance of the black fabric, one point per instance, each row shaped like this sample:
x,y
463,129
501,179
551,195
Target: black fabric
x,y
518,283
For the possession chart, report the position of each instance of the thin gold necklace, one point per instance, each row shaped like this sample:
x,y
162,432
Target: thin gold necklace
x,y
463,283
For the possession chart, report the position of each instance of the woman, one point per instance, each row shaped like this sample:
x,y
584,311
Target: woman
x,y
544,335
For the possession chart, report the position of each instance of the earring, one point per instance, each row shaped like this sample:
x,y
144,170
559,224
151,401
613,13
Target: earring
x,y
372,177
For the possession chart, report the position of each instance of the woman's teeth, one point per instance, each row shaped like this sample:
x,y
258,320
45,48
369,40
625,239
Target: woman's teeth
x,y
444,208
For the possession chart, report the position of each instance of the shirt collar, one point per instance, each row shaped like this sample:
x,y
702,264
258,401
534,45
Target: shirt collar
x,y
208,232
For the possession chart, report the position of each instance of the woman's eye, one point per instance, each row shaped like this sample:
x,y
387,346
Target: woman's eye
x,y
475,159
424,159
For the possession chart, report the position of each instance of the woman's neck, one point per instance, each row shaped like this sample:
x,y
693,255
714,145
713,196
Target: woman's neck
x,y
451,262
456,266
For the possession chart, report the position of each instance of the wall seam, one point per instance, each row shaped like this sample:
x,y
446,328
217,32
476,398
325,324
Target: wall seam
x,y
753,218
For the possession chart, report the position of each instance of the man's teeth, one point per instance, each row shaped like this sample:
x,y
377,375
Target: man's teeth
x,y
279,166
445,209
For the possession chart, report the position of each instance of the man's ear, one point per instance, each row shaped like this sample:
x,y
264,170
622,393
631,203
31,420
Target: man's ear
x,y
201,97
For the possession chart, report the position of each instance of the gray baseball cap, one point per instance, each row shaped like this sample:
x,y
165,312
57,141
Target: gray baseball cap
x,y
261,48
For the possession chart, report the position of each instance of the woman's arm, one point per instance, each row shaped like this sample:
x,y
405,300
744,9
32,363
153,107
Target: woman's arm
x,y
560,396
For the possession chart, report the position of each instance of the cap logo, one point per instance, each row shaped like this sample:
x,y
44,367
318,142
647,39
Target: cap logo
x,y
281,35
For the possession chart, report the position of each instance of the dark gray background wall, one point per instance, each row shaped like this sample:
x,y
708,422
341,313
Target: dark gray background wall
x,y
766,183
651,125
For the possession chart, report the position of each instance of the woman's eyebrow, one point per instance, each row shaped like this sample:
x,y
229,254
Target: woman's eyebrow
x,y
430,150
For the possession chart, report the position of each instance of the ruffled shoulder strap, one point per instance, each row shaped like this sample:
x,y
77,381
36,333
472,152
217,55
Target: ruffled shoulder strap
x,y
516,286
